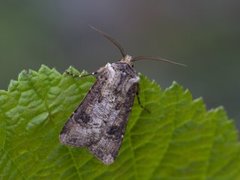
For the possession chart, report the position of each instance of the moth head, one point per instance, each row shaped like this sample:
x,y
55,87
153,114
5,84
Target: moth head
x,y
129,59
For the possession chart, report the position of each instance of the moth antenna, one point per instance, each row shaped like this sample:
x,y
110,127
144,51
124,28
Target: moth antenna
x,y
111,39
156,59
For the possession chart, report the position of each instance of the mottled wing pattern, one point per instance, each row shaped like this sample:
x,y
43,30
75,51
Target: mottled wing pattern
x,y
80,129
100,120
107,148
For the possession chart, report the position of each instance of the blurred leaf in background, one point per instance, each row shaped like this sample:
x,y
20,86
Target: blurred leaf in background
x,y
202,34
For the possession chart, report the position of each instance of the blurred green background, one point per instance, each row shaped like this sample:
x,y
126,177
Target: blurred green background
x,y
205,35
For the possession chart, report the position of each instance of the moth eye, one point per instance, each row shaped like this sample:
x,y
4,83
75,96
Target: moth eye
x,y
132,65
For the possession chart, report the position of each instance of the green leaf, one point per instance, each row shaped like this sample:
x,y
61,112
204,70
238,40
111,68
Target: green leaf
x,y
179,139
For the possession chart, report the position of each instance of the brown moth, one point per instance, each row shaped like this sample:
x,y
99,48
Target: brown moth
x,y
99,122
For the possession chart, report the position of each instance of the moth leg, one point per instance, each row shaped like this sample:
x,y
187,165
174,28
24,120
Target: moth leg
x,y
139,101
77,75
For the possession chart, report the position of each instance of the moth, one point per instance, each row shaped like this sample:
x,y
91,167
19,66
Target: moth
x,y
99,122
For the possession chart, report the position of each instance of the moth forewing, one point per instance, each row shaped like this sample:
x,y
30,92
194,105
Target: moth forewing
x,y
100,120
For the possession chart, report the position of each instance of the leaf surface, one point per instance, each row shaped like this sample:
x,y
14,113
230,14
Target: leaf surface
x,y
178,139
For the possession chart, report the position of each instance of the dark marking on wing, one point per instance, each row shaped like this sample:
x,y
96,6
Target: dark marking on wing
x,y
81,117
